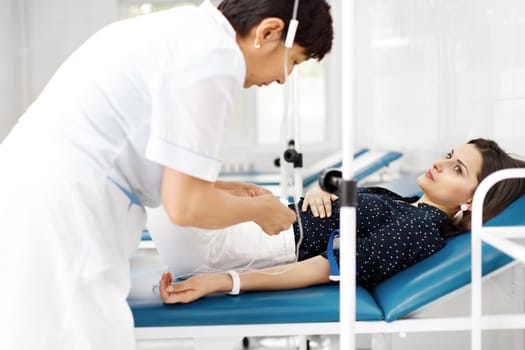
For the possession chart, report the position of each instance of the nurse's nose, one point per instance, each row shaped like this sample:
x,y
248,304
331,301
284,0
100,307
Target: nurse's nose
x,y
290,70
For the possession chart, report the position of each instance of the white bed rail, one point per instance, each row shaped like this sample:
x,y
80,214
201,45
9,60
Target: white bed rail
x,y
500,238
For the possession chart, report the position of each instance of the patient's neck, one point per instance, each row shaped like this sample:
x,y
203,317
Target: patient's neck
x,y
426,200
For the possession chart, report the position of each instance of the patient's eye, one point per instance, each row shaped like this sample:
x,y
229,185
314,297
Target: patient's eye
x,y
457,169
449,155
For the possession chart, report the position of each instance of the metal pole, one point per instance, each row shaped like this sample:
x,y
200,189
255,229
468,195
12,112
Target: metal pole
x,y
476,247
347,303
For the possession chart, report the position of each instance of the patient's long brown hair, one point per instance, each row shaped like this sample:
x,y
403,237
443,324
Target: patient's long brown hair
x,y
501,194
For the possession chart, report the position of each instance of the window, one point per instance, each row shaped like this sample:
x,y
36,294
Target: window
x,y
310,104
256,127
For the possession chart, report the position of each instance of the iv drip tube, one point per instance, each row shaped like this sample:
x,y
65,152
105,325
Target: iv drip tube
x,y
291,180
289,126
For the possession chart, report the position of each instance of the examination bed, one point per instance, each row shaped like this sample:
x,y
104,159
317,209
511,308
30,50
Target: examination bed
x,y
315,310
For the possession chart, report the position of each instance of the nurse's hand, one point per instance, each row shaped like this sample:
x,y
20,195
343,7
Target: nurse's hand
x,y
319,201
193,288
274,217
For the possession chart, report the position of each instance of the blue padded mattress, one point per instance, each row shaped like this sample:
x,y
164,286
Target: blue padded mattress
x,y
313,304
437,275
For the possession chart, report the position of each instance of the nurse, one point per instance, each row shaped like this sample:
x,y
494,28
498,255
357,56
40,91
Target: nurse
x,y
132,119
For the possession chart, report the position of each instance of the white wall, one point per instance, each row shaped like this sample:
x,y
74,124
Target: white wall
x,y
36,36
430,73
8,87
433,74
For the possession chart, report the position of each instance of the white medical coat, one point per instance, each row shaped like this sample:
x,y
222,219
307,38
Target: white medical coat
x,y
87,157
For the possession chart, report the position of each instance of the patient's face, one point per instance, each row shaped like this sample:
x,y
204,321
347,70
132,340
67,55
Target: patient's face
x,y
452,180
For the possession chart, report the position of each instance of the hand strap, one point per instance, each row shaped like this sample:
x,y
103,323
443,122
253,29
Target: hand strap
x,y
332,262
236,282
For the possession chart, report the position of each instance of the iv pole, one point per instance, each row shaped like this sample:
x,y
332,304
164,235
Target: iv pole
x,y
347,300
346,188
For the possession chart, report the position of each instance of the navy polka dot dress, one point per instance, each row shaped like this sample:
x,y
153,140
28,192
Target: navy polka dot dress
x,y
392,234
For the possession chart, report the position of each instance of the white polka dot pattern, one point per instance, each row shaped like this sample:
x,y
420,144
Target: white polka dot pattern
x,y
392,234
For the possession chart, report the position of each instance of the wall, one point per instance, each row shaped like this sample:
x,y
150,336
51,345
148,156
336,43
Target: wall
x,y
8,88
430,74
433,74
35,38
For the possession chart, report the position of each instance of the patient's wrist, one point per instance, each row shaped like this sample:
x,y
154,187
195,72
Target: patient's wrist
x,y
235,282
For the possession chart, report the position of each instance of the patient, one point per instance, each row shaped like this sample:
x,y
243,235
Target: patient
x,y
393,232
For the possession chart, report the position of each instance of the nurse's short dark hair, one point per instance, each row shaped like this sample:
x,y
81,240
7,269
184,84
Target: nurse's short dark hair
x,y
315,30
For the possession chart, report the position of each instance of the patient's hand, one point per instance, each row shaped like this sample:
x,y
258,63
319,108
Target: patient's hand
x,y
191,289
319,201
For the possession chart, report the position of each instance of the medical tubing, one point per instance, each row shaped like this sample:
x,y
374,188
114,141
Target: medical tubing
x,y
295,7
301,235
155,288
292,27
290,36
288,175
288,171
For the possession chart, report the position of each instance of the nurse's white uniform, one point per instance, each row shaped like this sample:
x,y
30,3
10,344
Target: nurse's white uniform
x,y
87,157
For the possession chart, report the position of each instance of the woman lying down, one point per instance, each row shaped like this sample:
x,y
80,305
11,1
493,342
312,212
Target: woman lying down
x,y
393,232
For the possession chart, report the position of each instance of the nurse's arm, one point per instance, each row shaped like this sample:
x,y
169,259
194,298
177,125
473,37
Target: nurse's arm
x,y
302,274
241,188
189,201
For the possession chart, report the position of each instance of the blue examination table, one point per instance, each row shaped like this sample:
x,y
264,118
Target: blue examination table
x,y
315,310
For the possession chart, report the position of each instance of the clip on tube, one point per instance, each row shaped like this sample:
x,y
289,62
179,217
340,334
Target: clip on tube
x,y
290,36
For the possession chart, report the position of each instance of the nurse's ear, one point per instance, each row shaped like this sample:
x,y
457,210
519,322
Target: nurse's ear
x,y
268,32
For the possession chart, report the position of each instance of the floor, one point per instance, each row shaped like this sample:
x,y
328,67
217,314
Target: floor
x,y
267,343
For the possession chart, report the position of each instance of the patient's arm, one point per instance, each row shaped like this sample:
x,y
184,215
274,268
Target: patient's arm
x,y
290,276
319,201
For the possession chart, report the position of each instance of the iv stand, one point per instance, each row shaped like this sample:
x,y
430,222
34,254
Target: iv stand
x,y
347,305
291,136
345,187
